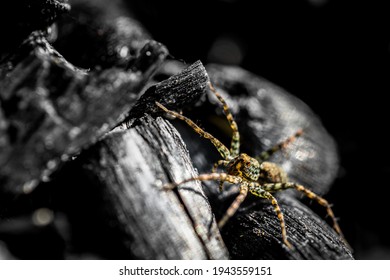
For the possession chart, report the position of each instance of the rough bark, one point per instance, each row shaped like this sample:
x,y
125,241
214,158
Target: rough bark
x,y
51,109
128,169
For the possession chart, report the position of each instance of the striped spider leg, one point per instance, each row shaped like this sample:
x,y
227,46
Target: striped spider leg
x,y
255,175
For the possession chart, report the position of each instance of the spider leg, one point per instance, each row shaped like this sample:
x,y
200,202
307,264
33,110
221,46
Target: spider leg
x,y
225,153
257,189
219,163
235,144
224,177
323,202
282,145
235,205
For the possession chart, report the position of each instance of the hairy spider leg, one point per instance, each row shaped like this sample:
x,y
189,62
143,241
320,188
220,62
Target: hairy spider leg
x,y
282,145
224,177
235,205
208,177
235,143
215,167
225,153
221,162
274,187
257,190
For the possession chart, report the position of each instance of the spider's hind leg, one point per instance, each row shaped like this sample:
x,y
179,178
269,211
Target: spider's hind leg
x,y
282,145
323,202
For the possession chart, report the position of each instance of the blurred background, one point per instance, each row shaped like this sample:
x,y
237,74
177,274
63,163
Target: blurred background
x,y
332,54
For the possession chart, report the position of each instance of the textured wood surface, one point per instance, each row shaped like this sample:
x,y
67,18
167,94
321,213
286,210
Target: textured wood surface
x,y
52,109
128,169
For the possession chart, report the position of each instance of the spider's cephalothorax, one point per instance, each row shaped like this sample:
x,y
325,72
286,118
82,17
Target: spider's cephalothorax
x,y
254,175
244,166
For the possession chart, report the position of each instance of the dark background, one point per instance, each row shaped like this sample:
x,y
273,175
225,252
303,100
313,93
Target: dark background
x,y
333,54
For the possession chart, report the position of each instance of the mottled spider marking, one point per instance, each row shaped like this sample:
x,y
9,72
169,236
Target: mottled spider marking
x,y
254,175
235,143
215,167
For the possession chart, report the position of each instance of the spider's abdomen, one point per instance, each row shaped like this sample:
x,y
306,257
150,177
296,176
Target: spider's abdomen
x,y
272,173
245,167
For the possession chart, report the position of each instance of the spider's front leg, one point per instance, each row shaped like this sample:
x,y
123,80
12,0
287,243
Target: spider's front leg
x,y
219,163
235,143
224,177
215,167
225,153
257,189
235,205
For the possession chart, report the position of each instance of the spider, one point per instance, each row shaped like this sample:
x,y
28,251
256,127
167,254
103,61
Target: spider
x,y
255,175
